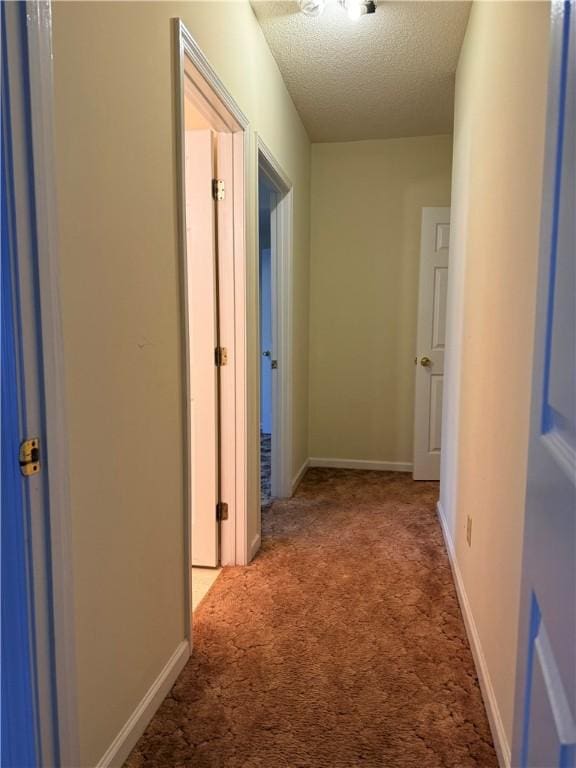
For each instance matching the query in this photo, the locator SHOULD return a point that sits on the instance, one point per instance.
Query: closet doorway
(211, 132)
(275, 280)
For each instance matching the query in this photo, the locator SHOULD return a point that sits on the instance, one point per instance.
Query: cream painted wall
(367, 198)
(496, 197)
(116, 185)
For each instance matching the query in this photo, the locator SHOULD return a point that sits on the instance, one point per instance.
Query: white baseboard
(494, 718)
(299, 475)
(255, 546)
(379, 466)
(124, 743)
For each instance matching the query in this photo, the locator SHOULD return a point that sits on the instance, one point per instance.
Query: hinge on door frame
(218, 190)
(29, 456)
(221, 356)
(221, 511)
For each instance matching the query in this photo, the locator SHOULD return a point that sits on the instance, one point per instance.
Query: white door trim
(37, 250)
(233, 534)
(282, 281)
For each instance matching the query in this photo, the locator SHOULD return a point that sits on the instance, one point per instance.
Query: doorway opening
(212, 148)
(275, 337)
(268, 364)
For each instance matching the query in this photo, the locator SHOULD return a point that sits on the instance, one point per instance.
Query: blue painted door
(545, 716)
(19, 733)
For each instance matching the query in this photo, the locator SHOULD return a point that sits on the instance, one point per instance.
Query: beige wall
(367, 198)
(121, 315)
(498, 153)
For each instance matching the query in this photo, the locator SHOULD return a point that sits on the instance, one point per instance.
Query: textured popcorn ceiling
(387, 74)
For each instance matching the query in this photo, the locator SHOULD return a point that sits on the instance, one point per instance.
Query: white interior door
(545, 713)
(202, 316)
(226, 338)
(431, 340)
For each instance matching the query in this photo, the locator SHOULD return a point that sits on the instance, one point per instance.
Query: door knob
(426, 362)
(267, 353)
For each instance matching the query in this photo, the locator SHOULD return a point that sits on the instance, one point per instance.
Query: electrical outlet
(469, 531)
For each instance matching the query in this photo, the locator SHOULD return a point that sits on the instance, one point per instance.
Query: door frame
(34, 241)
(233, 533)
(282, 281)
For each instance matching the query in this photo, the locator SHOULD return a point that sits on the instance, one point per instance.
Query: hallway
(341, 645)
(329, 239)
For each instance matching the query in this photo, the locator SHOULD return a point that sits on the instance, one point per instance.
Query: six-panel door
(431, 342)
(545, 712)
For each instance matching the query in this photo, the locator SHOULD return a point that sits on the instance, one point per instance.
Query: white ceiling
(385, 75)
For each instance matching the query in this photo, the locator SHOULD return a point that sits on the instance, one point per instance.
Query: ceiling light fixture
(312, 7)
(357, 8)
(354, 8)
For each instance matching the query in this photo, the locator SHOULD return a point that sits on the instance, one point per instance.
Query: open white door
(202, 310)
(226, 339)
(431, 339)
(545, 712)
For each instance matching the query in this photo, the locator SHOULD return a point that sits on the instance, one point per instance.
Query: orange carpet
(340, 646)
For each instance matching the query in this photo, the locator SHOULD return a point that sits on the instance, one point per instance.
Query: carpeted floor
(341, 646)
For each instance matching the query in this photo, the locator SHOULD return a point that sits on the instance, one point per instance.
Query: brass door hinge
(221, 356)
(221, 511)
(218, 190)
(29, 457)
